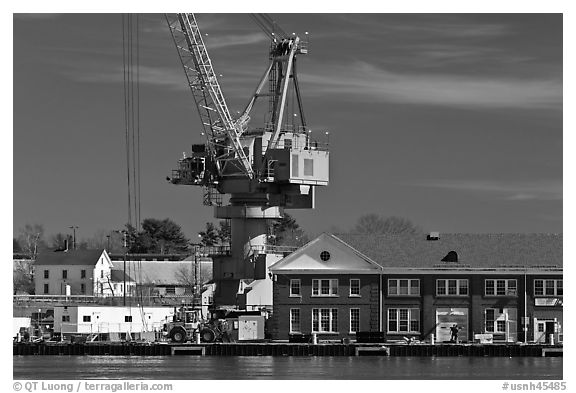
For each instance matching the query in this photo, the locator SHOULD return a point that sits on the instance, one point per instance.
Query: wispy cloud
(365, 81)
(233, 40)
(167, 77)
(509, 190)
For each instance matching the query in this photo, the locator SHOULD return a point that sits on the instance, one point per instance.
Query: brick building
(416, 286)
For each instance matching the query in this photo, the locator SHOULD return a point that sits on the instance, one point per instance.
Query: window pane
(539, 287)
(559, 288)
(440, 287)
(294, 320)
(452, 287)
(324, 319)
(295, 287)
(315, 320)
(414, 287)
(463, 287)
(403, 327)
(334, 327)
(392, 320)
(500, 287)
(511, 291)
(414, 326)
(501, 326)
(392, 287)
(325, 287)
(549, 287)
(354, 319)
(333, 287)
(403, 287)
(354, 286)
(315, 287)
(489, 287)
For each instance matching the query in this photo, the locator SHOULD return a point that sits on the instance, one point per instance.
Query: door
(549, 329)
(448, 317)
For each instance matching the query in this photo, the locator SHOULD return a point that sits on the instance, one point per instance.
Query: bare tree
(30, 239)
(185, 277)
(375, 224)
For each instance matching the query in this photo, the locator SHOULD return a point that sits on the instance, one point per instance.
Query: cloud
(363, 80)
(509, 190)
(168, 77)
(234, 40)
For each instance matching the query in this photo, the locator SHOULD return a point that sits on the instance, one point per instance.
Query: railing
(272, 249)
(108, 300)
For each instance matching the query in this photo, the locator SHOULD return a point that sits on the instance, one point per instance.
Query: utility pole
(74, 227)
(125, 233)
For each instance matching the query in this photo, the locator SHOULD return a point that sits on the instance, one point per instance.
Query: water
(268, 367)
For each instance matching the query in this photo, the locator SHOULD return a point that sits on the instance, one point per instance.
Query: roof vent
(433, 236)
(452, 256)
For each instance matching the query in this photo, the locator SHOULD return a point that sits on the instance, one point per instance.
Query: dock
(281, 349)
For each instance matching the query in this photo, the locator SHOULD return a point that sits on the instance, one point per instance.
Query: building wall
(109, 319)
(57, 284)
(435, 313)
(367, 302)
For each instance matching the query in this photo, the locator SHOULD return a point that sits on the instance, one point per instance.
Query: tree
(58, 241)
(16, 247)
(287, 232)
(209, 237)
(22, 277)
(31, 239)
(225, 232)
(157, 236)
(379, 225)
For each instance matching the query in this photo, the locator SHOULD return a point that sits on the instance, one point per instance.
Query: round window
(325, 255)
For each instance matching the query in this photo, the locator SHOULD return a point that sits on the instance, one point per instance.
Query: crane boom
(223, 133)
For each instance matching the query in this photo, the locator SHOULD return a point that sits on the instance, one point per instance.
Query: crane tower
(264, 168)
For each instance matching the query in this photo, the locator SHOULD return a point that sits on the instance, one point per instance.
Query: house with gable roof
(79, 272)
(508, 287)
(327, 288)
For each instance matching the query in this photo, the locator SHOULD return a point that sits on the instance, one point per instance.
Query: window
(495, 319)
(548, 288)
(82, 273)
(325, 287)
(45, 288)
(86, 318)
(308, 167)
(403, 287)
(354, 287)
(295, 320)
(354, 320)
(101, 273)
(83, 289)
(325, 256)
(170, 290)
(324, 320)
(65, 318)
(403, 320)
(127, 318)
(452, 287)
(295, 165)
(500, 287)
(46, 274)
(64, 274)
(295, 288)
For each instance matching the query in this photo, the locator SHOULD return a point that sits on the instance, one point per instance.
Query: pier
(282, 349)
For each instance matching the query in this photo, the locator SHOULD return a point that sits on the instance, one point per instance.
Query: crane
(264, 169)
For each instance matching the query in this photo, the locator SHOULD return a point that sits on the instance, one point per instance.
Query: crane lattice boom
(223, 133)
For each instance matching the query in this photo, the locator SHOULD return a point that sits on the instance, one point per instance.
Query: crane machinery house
(496, 287)
(263, 168)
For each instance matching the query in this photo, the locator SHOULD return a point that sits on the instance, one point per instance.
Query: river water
(268, 367)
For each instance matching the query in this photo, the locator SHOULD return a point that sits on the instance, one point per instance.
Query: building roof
(70, 257)
(164, 272)
(118, 275)
(339, 258)
(473, 250)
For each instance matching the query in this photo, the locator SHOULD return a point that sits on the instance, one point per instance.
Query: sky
(453, 121)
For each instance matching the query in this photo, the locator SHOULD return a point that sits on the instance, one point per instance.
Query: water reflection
(267, 367)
